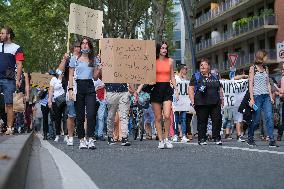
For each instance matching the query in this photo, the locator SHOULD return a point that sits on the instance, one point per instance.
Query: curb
(13, 169)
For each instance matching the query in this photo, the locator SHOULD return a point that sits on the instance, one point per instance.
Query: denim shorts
(7, 87)
(71, 109)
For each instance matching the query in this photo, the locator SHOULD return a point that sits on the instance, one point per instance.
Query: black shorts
(162, 92)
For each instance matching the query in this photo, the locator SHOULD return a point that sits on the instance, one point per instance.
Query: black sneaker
(125, 142)
(202, 142)
(251, 143)
(101, 138)
(273, 144)
(110, 141)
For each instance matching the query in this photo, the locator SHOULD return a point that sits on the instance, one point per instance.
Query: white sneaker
(70, 141)
(83, 144)
(168, 144)
(86, 142)
(65, 138)
(91, 144)
(184, 139)
(161, 145)
(56, 138)
(175, 138)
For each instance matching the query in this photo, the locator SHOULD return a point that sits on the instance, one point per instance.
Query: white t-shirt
(57, 87)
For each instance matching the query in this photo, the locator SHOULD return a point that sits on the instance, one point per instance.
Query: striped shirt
(260, 83)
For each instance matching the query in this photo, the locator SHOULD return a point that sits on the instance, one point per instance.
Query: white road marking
(238, 148)
(73, 177)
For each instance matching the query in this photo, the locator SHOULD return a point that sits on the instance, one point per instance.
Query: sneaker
(251, 143)
(184, 139)
(110, 141)
(9, 131)
(65, 138)
(175, 138)
(168, 144)
(91, 144)
(240, 139)
(125, 142)
(273, 144)
(161, 145)
(20, 130)
(56, 138)
(70, 141)
(202, 142)
(101, 138)
(83, 144)
(229, 137)
(218, 142)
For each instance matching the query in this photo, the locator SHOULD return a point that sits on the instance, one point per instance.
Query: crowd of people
(78, 103)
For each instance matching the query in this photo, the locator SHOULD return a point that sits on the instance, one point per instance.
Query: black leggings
(58, 111)
(203, 112)
(45, 111)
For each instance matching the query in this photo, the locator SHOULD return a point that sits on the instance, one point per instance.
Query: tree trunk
(159, 11)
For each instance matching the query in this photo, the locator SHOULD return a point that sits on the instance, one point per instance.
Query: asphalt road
(142, 165)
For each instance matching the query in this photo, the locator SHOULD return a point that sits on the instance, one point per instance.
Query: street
(143, 165)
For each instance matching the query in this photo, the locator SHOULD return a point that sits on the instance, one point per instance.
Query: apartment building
(238, 26)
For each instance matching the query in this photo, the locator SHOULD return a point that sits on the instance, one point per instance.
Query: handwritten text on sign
(128, 61)
(85, 21)
(234, 91)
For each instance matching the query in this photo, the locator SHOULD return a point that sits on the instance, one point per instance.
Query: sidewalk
(15, 151)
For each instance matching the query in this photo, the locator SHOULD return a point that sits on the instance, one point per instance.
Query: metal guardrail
(235, 32)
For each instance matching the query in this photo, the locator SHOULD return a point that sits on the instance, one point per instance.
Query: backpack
(197, 76)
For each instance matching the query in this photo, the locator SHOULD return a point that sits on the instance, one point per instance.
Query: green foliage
(41, 26)
(267, 12)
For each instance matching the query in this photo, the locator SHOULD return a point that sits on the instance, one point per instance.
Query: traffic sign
(233, 57)
(280, 52)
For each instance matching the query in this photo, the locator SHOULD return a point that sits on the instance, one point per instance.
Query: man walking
(11, 57)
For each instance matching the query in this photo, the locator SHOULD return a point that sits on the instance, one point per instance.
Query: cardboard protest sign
(234, 92)
(128, 61)
(85, 21)
(40, 80)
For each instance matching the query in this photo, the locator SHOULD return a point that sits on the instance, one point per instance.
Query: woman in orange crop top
(162, 93)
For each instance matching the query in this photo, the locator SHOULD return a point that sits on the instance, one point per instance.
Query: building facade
(222, 27)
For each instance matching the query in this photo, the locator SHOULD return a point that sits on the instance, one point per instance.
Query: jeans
(180, 118)
(86, 98)
(101, 118)
(202, 113)
(263, 102)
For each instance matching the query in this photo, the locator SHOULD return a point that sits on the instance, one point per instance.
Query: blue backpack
(197, 76)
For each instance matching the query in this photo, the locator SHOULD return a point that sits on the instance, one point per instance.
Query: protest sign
(40, 80)
(128, 61)
(183, 103)
(85, 21)
(234, 92)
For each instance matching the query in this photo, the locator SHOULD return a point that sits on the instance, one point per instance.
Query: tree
(188, 10)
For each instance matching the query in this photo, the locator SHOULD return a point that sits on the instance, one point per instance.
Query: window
(177, 45)
(261, 44)
(250, 14)
(271, 41)
(225, 28)
(251, 48)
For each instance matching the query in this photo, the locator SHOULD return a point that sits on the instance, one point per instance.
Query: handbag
(18, 102)
(60, 100)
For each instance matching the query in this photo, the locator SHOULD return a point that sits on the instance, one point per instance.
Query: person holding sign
(181, 105)
(85, 69)
(260, 97)
(162, 93)
(206, 96)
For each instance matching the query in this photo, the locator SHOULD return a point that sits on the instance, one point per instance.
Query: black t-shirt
(211, 91)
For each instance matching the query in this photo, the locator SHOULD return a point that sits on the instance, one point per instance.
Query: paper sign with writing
(128, 61)
(85, 21)
(42, 80)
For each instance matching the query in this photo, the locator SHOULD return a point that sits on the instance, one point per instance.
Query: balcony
(244, 61)
(255, 27)
(225, 10)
